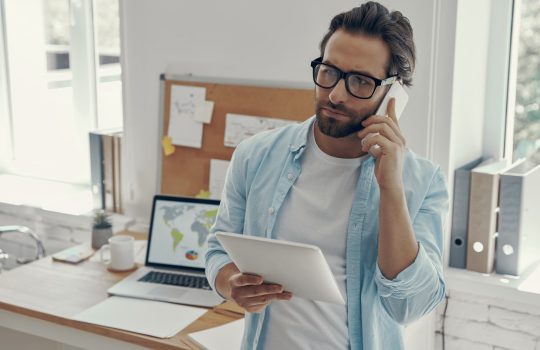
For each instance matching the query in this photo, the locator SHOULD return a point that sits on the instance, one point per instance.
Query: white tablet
(300, 268)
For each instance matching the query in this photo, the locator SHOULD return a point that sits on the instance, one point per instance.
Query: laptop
(174, 266)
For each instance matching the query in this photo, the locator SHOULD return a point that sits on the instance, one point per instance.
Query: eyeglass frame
(345, 75)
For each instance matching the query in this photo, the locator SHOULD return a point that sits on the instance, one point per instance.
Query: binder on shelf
(96, 170)
(117, 186)
(108, 171)
(460, 214)
(482, 223)
(518, 242)
(102, 165)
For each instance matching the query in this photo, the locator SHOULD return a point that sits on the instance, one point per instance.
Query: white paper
(240, 127)
(203, 112)
(226, 337)
(218, 171)
(154, 318)
(184, 130)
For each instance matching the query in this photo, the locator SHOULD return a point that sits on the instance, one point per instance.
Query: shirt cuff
(417, 276)
(215, 262)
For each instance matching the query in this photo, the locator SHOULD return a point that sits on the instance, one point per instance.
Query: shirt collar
(301, 138)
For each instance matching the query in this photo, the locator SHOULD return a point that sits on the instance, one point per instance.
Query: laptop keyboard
(174, 279)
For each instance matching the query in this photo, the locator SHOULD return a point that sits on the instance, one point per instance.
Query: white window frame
(83, 65)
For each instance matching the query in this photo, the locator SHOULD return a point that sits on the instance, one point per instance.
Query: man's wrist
(222, 279)
(396, 191)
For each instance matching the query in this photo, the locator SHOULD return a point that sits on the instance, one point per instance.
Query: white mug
(121, 252)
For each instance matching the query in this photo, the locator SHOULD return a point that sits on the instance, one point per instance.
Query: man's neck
(343, 147)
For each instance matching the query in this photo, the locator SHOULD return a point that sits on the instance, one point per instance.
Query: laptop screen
(179, 227)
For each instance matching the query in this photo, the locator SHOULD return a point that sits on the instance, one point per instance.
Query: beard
(336, 128)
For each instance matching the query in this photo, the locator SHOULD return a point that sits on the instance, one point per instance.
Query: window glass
(109, 89)
(49, 137)
(527, 107)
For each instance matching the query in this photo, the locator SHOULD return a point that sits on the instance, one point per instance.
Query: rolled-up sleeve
(420, 287)
(230, 216)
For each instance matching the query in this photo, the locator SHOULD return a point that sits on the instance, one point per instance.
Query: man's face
(340, 114)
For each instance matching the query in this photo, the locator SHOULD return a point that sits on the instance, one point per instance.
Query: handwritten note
(184, 130)
(240, 127)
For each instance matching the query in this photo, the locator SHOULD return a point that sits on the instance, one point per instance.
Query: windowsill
(525, 288)
(47, 195)
(52, 202)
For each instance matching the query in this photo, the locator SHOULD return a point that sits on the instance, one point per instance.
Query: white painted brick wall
(455, 343)
(476, 322)
(518, 321)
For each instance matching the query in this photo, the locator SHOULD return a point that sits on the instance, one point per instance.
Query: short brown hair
(393, 28)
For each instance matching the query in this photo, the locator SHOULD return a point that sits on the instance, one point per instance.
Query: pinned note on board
(168, 148)
(218, 172)
(203, 112)
(184, 130)
(203, 194)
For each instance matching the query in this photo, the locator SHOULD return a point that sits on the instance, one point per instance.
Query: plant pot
(100, 236)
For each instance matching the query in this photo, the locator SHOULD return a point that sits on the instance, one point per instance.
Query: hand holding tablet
(300, 268)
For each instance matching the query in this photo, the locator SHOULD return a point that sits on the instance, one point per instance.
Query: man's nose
(339, 93)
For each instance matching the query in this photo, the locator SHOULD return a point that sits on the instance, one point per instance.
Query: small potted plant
(101, 229)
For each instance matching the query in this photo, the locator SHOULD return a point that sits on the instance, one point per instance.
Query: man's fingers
(383, 129)
(240, 280)
(391, 110)
(258, 303)
(253, 291)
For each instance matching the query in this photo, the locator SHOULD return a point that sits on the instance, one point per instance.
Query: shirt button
(271, 210)
(290, 176)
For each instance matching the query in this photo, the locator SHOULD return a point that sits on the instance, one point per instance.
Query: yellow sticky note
(168, 148)
(203, 194)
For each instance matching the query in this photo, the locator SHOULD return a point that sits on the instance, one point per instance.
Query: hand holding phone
(398, 92)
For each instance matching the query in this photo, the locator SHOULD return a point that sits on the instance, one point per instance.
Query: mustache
(337, 107)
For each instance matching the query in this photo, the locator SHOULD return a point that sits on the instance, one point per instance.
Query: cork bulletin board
(186, 171)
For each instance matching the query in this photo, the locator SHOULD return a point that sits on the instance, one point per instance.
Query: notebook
(174, 266)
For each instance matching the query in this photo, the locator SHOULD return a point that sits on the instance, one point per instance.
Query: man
(377, 218)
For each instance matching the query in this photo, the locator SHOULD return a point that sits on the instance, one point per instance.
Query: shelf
(525, 288)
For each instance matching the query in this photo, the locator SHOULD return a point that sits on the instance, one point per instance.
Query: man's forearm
(222, 279)
(397, 243)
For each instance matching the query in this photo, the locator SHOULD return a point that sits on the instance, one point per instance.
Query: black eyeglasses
(359, 85)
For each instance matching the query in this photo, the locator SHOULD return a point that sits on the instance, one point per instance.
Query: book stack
(493, 225)
(105, 165)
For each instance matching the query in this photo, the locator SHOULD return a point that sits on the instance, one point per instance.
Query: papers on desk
(226, 337)
(154, 318)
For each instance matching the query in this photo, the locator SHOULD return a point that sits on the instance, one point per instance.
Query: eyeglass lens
(358, 85)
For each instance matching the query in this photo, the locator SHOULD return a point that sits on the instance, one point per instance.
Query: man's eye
(328, 71)
(359, 80)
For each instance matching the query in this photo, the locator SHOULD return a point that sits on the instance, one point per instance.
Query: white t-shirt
(316, 211)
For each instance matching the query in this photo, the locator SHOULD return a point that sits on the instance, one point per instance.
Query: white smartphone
(398, 92)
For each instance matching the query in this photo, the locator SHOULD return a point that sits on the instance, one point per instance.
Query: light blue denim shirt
(263, 169)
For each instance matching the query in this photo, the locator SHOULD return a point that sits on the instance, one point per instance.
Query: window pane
(50, 134)
(109, 89)
(527, 113)
(44, 130)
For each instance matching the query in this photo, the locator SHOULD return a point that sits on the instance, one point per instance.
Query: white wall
(260, 40)
(483, 323)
